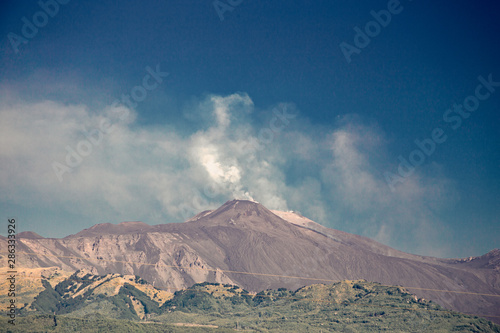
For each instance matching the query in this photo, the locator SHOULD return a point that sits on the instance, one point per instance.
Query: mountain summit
(243, 243)
(243, 214)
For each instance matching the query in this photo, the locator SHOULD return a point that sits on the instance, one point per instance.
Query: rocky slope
(245, 244)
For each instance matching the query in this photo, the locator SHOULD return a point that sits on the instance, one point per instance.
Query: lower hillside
(89, 303)
(112, 295)
(94, 324)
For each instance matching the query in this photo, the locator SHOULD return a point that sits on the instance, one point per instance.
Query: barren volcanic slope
(245, 244)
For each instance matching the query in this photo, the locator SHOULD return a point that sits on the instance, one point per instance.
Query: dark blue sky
(393, 92)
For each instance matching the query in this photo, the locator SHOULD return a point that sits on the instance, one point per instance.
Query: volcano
(243, 243)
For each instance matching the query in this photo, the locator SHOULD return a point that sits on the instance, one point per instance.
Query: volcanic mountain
(245, 244)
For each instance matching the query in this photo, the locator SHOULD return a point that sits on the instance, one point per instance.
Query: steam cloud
(159, 175)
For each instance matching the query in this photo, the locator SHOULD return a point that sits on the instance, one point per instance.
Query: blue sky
(260, 104)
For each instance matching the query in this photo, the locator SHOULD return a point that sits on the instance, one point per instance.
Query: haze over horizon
(156, 111)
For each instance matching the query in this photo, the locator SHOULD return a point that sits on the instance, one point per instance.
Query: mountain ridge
(246, 244)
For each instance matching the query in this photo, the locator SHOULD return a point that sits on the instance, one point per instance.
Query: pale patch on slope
(29, 283)
(295, 218)
(110, 285)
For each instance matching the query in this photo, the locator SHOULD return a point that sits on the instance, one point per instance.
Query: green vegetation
(63, 300)
(128, 292)
(93, 324)
(348, 306)
(345, 306)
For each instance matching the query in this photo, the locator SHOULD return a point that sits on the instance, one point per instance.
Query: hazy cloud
(159, 175)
